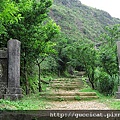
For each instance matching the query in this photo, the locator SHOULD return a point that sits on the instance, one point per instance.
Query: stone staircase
(66, 84)
(67, 89)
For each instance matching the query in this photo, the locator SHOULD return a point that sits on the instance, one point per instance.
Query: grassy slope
(78, 21)
(110, 101)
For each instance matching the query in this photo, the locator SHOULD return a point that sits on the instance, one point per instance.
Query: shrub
(105, 83)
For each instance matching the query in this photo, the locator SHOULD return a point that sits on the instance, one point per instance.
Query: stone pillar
(13, 91)
(118, 53)
(3, 72)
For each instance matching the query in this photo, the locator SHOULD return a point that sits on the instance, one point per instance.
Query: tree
(62, 56)
(44, 47)
(85, 56)
(9, 13)
(108, 51)
(34, 31)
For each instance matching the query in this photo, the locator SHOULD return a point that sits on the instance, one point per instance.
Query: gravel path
(77, 105)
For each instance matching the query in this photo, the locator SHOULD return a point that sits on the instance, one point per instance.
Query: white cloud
(110, 6)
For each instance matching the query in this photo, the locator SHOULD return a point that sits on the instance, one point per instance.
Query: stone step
(66, 82)
(68, 94)
(69, 98)
(65, 87)
(58, 82)
(67, 79)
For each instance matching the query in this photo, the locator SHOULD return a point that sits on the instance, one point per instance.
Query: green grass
(114, 104)
(30, 102)
(77, 98)
(110, 101)
(88, 89)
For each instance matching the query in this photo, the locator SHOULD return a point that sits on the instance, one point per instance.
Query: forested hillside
(79, 24)
(58, 39)
(83, 27)
(79, 21)
(68, 52)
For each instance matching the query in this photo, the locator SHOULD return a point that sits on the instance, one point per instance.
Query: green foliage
(77, 98)
(78, 28)
(106, 74)
(36, 32)
(114, 104)
(9, 13)
(79, 25)
(25, 104)
(101, 96)
(61, 99)
(48, 66)
(108, 60)
(100, 65)
(88, 57)
(85, 55)
(78, 21)
(75, 47)
(105, 84)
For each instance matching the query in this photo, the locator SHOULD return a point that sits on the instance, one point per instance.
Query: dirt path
(77, 105)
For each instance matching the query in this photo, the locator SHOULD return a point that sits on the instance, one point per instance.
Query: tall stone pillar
(118, 53)
(13, 91)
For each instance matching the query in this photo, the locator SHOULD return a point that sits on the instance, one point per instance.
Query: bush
(105, 83)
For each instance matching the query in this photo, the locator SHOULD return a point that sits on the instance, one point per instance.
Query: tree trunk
(92, 84)
(27, 83)
(91, 80)
(39, 84)
(26, 79)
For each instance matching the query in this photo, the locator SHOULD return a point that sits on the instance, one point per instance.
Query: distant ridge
(78, 21)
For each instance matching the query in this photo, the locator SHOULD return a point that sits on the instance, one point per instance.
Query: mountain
(78, 21)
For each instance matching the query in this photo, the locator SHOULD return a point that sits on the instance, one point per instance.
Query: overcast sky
(110, 6)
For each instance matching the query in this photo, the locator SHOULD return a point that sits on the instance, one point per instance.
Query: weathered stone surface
(118, 53)
(14, 63)
(13, 90)
(3, 71)
(13, 96)
(10, 71)
(3, 53)
(118, 93)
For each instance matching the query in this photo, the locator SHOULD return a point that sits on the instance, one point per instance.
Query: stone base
(2, 92)
(13, 96)
(13, 93)
(3, 87)
(117, 95)
(13, 90)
